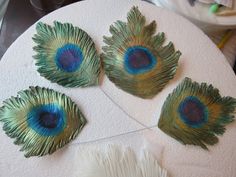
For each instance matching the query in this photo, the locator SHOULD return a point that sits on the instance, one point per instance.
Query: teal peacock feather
(41, 120)
(135, 59)
(66, 55)
(196, 113)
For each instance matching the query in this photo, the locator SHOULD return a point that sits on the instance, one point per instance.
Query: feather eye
(135, 59)
(116, 162)
(66, 55)
(196, 113)
(41, 120)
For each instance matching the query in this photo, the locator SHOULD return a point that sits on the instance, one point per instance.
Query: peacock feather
(41, 120)
(135, 59)
(196, 113)
(66, 55)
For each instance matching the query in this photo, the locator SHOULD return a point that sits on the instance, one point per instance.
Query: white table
(200, 60)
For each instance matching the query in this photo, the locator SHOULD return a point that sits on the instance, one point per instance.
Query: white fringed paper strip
(116, 162)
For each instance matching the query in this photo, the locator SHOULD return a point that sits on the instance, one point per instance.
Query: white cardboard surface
(200, 60)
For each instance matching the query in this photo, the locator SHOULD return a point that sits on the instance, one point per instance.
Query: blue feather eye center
(69, 57)
(47, 120)
(139, 60)
(193, 112)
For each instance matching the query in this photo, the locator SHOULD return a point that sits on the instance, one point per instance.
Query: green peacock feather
(66, 55)
(196, 113)
(41, 120)
(135, 59)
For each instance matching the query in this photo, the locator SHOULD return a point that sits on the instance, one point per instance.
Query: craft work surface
(199, 14)
(200, 60)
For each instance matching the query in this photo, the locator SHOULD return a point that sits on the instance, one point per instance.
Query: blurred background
(17, 15)
(216, 18)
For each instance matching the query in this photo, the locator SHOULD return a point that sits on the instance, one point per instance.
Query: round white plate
(200, 60)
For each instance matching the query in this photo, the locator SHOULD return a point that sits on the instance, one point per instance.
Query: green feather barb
(41, 120)
(66, 55)
(196, 113)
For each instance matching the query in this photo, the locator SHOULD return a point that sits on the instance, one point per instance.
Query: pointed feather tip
(134, 10)
(134, 15)
(39, 24)
(178, 54)
(57, 23)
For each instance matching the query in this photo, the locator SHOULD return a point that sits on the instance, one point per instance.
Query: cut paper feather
(196, 113)
(41, 120)
(134, 58)
(116, 162)
(66, 55)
